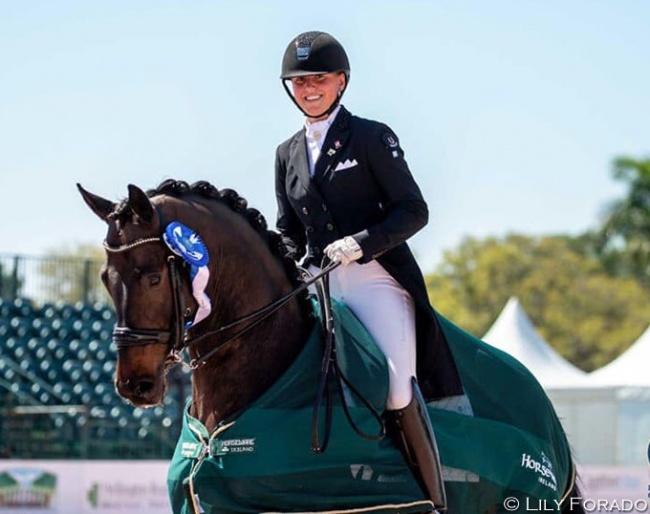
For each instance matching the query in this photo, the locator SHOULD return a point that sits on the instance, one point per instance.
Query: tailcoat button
(305, 210)
(329, 227)
(310, 229)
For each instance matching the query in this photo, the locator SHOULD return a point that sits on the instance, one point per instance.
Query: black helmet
(313, 53)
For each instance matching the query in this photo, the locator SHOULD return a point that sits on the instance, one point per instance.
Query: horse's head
(142, 279)
(236, 350)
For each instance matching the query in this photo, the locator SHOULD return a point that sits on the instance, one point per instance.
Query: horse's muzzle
(144, 391)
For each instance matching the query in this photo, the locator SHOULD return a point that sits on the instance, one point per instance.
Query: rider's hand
(344, 250)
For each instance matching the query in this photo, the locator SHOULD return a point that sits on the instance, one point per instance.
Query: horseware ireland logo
(543, 469)
(228, 446)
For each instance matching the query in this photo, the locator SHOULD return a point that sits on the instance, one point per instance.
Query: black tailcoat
(362, 187)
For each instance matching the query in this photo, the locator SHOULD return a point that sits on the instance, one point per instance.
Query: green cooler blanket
(261, 461)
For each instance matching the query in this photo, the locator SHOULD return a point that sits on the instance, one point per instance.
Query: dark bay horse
(234, 365)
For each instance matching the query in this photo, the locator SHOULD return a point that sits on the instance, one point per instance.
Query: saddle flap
(359, 358)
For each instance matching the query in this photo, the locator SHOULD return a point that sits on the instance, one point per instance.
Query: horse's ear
(100, 206)
(140, 204)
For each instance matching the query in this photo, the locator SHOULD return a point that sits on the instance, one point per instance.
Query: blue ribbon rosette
(187, 244)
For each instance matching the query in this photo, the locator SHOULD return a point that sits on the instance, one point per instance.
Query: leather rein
(176, 338)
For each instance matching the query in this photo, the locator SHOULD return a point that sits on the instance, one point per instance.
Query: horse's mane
(231, 199)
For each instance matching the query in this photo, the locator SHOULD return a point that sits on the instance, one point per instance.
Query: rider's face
(316, 93)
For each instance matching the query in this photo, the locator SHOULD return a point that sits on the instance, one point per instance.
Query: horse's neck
(247, 276)
(248, 366)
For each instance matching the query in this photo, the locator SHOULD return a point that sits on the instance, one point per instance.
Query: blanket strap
(570, 485)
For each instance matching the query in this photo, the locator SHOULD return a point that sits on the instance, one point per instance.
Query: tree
(11, 283)
(626, 229)
(72, 274)
(587, 315)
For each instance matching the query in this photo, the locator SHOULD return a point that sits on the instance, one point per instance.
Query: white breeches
(388, 312)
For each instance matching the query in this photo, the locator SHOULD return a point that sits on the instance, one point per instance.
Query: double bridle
(177, 339)
(174, 338)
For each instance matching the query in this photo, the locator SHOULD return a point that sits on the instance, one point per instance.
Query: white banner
(127, 487)
(615, 489)
(83, 487)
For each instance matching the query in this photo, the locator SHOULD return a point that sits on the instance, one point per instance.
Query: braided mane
(231, 199)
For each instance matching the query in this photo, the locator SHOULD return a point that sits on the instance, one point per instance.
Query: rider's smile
(316, 93)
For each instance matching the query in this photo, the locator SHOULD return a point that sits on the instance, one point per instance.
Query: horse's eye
(154, 279)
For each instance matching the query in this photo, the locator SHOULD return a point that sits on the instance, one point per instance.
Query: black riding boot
(416, 440)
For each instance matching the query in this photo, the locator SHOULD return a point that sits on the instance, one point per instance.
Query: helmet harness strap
(328, 111)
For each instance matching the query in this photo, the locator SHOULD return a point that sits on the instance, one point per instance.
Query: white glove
(344, 250)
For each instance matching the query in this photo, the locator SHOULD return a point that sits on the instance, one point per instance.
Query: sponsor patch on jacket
(390, 140)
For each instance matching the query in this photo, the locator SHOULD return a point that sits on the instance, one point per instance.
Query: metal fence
(32, 430)
(34, 427)
(51, 279)
(75, 432)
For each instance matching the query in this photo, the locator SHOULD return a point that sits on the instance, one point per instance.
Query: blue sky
(510, 112)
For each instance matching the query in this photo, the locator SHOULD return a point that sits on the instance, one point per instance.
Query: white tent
(606, 414)
(514, 333)
(610, 422)
(629, 369)
(606, 425)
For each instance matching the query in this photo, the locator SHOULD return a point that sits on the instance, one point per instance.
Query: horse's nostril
(144, 386)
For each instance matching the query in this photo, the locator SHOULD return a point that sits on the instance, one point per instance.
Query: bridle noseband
(125, 337)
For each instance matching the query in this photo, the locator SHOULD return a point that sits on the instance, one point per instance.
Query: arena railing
(51, 279)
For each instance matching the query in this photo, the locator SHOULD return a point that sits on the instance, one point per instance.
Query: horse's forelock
(122, 212)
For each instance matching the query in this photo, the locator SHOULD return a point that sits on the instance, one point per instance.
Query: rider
(345, 191)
